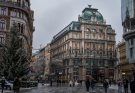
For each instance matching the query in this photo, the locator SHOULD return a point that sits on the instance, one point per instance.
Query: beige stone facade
(84, 47)
(47, 62)
(20, 13)
(125, 70)
(38, 64)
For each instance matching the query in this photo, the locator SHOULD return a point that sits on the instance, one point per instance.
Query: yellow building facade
(125, 70)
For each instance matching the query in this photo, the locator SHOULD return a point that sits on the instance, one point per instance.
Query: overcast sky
(51, 16)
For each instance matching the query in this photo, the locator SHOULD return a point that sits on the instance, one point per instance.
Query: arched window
(19, 26)
(22, 28)
(2, 24)
(87, 29)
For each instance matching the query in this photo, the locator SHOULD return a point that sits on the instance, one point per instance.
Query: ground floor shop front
(79, 68)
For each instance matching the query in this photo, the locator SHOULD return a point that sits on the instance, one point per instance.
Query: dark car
(8, 85)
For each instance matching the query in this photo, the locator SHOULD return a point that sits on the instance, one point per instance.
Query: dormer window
(87, 29)
(93, 30)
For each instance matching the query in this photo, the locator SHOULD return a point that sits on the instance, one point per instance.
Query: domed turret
(92, 14)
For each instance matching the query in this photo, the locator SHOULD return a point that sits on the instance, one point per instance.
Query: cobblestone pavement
(48, 89)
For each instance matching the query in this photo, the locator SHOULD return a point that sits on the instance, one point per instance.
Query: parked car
(8, 85)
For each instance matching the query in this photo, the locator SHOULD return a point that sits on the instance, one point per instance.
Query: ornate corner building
(128, 22)
(19, 12)
(84, 47)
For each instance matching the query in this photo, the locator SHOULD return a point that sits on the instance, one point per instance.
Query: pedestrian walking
(110, 82)
(125, 84)
(51, 82)
(87, 83)
(80, 82)
(16, 85)
(92, 83)
(2, 84)
(76, 83)
(105, 85)
(70, 83)
(132, 84)
(119, 86)
(73, 83)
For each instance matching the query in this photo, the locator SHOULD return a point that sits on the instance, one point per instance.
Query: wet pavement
(63, 89)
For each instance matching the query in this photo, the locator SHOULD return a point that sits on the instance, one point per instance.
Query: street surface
(64, 89)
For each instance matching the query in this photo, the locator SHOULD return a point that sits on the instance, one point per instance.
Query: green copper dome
(92, 14)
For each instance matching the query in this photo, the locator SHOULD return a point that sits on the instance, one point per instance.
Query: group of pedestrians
(132, 84)
(122, 84)
(73, 83)
(125, 84)
(16, 84)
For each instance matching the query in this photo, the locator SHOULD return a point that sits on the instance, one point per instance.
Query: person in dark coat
(2, 84)
(80, 82)
(16, 85)
(110, 82)
(105, 85)
(125, 84)
(51, 82)
(87, 83)
(132, 85)
(119, 86)
(73, 83)
(92, 84)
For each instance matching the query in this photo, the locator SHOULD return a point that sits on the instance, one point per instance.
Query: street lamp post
(91, 63)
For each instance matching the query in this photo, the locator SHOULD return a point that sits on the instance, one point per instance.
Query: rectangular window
(3, 11)
(100, 30)
(132, 41)
(2, 40)
(131, 52)
(67, 70)
(111, 63)
(2, 24)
